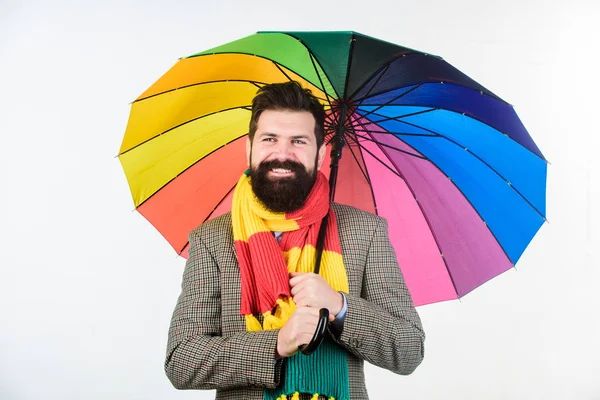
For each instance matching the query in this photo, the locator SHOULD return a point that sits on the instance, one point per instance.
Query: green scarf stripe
(324, 372)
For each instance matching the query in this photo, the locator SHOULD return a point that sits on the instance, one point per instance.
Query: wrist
(279, 350)
(339, 304)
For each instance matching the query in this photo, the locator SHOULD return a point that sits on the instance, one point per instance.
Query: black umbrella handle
(319, 335)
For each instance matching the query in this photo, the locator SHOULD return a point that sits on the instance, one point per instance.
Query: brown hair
(288, 96)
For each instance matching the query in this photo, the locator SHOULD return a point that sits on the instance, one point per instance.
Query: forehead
(286, 123)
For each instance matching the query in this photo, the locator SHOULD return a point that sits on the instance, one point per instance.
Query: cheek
(256, 156)
(311, 158)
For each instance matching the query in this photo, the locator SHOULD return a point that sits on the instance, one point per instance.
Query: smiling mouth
(281, 172)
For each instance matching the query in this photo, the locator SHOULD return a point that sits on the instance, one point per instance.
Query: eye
(298, 141)
(268, 139)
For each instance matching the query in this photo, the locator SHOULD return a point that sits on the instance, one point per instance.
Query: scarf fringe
(283, 311)
(296, 396)
(252, 324)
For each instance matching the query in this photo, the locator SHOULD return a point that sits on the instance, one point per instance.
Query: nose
(284, 150)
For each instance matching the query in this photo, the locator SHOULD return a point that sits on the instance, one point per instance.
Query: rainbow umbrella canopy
(445, 161)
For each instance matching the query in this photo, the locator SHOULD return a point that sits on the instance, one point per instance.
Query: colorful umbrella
(445, 161)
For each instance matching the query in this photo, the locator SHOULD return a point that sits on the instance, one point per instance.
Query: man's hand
(298, 330)
(311, 290)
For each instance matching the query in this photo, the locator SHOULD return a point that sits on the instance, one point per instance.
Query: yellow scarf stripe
(248, 225)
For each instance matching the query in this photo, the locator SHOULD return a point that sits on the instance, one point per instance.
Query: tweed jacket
(209, 347)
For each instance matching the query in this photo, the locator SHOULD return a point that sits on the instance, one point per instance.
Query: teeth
(281, 170)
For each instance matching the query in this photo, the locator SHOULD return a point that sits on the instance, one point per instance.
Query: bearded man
(250, 299)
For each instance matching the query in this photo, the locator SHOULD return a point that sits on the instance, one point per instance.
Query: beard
(285, 194)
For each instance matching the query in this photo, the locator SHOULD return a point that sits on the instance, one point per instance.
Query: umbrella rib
(480, 159)
(199, 84)
(356, 159)
(312, 59)
(368, 176)
(393, 148)
(177, 126)
(382, 163)
(211, 213)
(387, 65)
(362, 99)
(369, 132)
(398, 133)
(397, 118)
(404, 122)
(190, 166)
(375, 157)
(281, 70)
(291, 80)
(360, 102)
(391, 100)
(329, 141)
(482, 92)
(329, 129)
(330, 118)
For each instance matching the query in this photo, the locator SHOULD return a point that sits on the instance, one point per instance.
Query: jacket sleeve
(198, 356)
(382, 325)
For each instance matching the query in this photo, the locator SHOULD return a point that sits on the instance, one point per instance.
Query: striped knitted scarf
(265, 265)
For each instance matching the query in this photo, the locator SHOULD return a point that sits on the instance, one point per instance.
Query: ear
(321, 156)
(248, 149)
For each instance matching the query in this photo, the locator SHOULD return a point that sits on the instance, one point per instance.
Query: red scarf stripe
(332, 242)
(269, 267)
(297, 239)
(247, 278)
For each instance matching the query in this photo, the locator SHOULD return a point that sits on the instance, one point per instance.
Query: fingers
(305, 321)
(307, 313)
(299, 281)
(305, 287)
(297, 331)
(298, 277)
(307, 294)
(301, 299)
(331, 317)
(310, 290)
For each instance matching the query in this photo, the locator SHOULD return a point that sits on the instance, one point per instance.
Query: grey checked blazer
(209, 347)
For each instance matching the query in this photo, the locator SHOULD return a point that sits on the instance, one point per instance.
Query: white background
(87, 287)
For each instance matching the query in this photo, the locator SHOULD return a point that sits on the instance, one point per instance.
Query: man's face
(284, 159)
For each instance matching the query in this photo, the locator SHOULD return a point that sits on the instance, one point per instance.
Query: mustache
(285, 164)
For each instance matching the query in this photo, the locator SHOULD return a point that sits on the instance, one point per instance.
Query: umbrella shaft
(336, 149)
